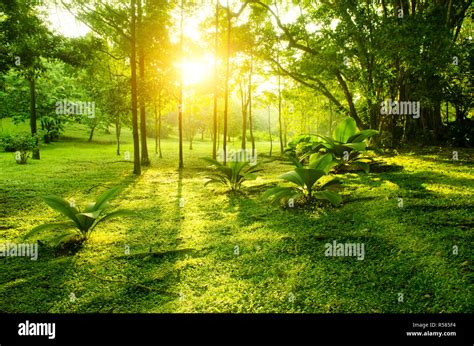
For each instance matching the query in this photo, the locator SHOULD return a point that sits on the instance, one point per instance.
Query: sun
(197, 70)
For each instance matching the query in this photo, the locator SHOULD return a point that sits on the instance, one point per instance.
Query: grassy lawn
(183, 258)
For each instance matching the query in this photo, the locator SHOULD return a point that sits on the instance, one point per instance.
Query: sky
(63, 22)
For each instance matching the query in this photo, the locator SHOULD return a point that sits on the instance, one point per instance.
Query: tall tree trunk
(330, 118)
(180, 113)
(156, 128)
(133, 66)
(145, 160)
(285, 126)
(250, 105)
(437, 122)
(117, 132)
(34, 131)
(280, 127)
(226, 91)
(350, 101)
(91, 133)
(244, 105)
(270, 131)
(214, 130)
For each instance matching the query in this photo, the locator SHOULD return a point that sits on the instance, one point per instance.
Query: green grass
(192, 266)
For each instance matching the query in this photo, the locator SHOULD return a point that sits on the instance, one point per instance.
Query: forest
(242, 156)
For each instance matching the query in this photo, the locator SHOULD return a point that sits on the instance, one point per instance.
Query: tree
(133, 69)
(181, 98)
(145, 161)
(216, 47)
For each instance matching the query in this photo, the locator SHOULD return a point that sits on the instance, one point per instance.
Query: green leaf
(118, 213)
(332, 197)
(360, 146)
(323, 163)
(92, 215)
(293, 177)
(89, 208)
(309, 176)
(105, 197)
(278, 193)
(212, 161)
(51, 226)
(250, 176)
(330, 183)
(362, 135)
(62, 206)
(345, 130)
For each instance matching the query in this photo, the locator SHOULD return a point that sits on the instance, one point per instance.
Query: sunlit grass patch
(183, 258)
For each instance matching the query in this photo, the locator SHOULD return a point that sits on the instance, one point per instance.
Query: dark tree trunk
(91, 134)
(34, 131)
(280, 127)
(270, 132)
(243, 102)
(180, 113)
(145, 161)
(133, 66)
(214, 130)
(117, 132)
(250, 106)
(226, 91)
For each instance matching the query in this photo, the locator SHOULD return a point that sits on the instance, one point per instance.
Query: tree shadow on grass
(369, 285)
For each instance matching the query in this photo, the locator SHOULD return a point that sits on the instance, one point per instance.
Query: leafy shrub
(22, 144)
(231, 175)
(309, 183)
(346, 146)
(80, 223)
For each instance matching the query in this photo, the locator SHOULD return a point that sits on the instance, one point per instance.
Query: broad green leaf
(345, 130)
(92, 215)
(63, 207)
(309, 176)
(331, 182)
(362, 135)
(323, 163)
(51, 226)
(105, 197)
(117, 213)
(212, 161)
(293, 177)
(332, 197)
(359, 146)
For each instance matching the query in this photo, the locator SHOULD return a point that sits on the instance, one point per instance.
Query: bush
(7, 143)
(346, 146)
(22, 144)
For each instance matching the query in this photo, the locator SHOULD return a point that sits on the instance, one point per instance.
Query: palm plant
(80, 224)
(309, 182)
(346, 145)
(231, 175)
